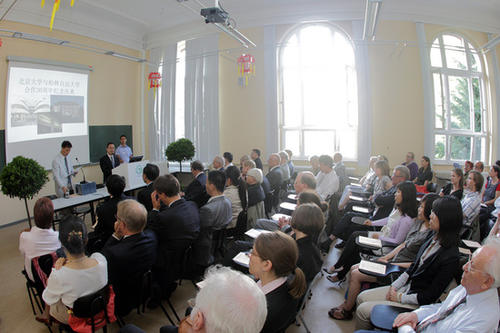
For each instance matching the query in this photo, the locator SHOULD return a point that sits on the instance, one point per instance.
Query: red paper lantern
(246, 67)
(154, 80)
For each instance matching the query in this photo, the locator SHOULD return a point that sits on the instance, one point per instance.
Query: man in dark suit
(176, 227)
(106, 211)
(215, 215)
(196, 190)
(255, 156)
(275, 177)
(109, 161)
(130, 253)
(149, 175)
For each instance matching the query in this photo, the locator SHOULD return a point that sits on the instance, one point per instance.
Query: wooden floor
(16, 315)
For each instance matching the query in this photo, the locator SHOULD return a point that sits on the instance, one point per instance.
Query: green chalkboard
(2, 149)
(99, 136)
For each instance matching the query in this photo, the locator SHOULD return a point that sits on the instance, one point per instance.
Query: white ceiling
(142, 24)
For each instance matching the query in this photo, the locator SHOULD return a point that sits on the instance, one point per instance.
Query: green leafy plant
(180, 150)
(23, 178)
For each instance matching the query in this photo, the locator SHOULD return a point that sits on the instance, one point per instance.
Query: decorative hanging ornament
(246, 67)
(55, 8)
(0, 42)
(154, 81)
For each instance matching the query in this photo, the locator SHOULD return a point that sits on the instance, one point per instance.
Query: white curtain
(202, 96)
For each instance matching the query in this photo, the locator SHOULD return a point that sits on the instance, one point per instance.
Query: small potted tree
(23, 178)
(180, 150)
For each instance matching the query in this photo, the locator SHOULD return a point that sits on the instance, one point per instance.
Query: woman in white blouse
(74, 276)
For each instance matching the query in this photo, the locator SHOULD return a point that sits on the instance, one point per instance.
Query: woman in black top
(456, 185)
(424, 175)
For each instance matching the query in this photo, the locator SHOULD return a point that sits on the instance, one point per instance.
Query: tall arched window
(318, 95)
(460, 129)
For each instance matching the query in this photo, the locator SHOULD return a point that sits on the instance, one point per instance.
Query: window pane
(321, 99)
(292, 103)
(438, 101)
(292, 141)
(455, 52)
(459, 102)
(319, 142)
(180, 75)
(476, 92)
(439, 147)
(436, 54)
(348, 140)
(479, 149)
(461, 147)
(475, 63)
(291, 53)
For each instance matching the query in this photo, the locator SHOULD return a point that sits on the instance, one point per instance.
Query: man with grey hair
(275, 177)
(471, 307)
(227, 302)
(218, 163)
(285, 169)
(130, 252)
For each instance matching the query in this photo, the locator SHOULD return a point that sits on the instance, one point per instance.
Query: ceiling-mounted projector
(214, 15)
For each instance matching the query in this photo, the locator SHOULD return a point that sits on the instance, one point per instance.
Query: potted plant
(23, 178)
(180, 150)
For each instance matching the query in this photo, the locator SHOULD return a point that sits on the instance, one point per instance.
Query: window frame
(444, 73)
(302, 127)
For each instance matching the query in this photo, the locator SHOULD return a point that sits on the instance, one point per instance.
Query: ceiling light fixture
(38, 38)
(372, 12)
(124, 56)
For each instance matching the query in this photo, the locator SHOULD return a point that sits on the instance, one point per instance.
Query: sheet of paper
(288, 205)
(370, 241)
(464, 251)
(372, 267)
(277, 216)
(356, 198)
(254, 233)
(292, 196)
(360, 209)
(242, 258)
(471, 244)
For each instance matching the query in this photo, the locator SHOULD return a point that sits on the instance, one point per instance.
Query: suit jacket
(275, 178)
(215, 215)
(385, 203)
(107, 166)
(106, 219)
(128, 259)
(196, 190)
(430, 279)
(144, 197)
(281, 310)
(258, 163)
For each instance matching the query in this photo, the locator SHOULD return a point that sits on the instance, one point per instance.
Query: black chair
(218, 244)
(382, 316)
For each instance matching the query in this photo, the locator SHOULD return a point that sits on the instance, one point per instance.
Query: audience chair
(307, 296)
(471, 232)
(382, 316)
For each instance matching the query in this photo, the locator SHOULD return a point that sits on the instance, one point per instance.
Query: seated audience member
(247, 165)
(428, 276)
(490, 195)
(468, 166)
(196, 190)
(411, 165)
(41, 239)
(471, 307)
(106, 211)
(130, 253)
(285, 170)
(215, 215)
(218, 163)
(275, 177)
(314, 161)
(272, 260)
(240, 306)
(149, 175)
(74, 276)
(395, 227)
(425, 174)
(228, 159)
(109, 161)
(403, 256)
(471, 202)
(327, 180)
(243, 159)
(340, 170)
(365, 184)
(479, 166)
(236, 192)
(384, 203)
(176, 227)
(456, 185)
(290, 163)
(256, 197)
(255, 156)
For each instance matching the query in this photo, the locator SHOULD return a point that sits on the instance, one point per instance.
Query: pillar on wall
(496, 79)
(270, 69)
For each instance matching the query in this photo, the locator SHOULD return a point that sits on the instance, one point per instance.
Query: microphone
(83, 173)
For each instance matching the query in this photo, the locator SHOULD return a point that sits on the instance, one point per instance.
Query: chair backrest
(41, 267)
(90, 305)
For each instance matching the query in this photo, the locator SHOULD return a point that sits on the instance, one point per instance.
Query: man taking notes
(123, 151)
(62, 169)
(109, 161)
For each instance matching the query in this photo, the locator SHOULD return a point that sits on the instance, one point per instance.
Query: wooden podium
(132, 173)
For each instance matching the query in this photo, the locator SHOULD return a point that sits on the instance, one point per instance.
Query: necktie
(67, 170)
(112, 161)
(438, 316)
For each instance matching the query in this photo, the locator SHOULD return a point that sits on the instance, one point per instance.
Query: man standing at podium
(109, 161)
(123, 151)
(62, 170)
